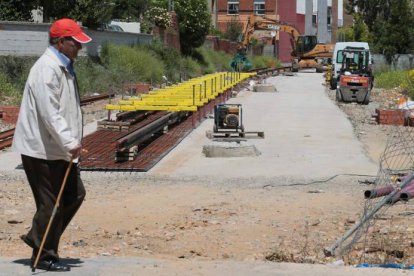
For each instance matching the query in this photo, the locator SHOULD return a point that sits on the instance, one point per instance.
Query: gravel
(362, 116)
(4, 126)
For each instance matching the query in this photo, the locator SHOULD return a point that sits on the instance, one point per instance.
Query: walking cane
(53, 215)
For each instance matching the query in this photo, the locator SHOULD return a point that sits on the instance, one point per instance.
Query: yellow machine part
(320, 50)
(233, 110)
(308, 63)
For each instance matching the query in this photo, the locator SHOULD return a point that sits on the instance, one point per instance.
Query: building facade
(224, 12)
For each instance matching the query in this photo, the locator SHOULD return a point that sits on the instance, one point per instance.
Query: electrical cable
(319, 181)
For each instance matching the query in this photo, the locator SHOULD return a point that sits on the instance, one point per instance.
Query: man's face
(69, 47)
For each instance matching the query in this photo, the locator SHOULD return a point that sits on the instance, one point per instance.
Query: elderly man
(48, 136)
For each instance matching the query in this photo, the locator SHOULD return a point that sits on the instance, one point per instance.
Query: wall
(169, 36)
(347, 18)
(322, 26)
(223, 45)
(334, 23)
(245, 10)
(404, 62)
(15, 37)
(287, 13)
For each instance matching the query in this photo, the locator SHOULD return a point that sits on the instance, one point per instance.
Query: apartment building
(293, 12)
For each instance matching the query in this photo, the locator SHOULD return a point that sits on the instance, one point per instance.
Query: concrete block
(264, 87)
(230, 149)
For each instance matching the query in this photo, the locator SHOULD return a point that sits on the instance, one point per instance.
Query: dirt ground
(161, 217)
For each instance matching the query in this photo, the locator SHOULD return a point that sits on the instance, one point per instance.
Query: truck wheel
(366, 99)
(333, 83)
(338, 96)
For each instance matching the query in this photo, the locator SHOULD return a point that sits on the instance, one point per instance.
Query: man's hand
(76, 151)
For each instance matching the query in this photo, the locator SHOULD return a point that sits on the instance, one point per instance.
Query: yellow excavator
(306, 51)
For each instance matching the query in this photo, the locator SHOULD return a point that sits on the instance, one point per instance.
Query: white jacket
(50, 118)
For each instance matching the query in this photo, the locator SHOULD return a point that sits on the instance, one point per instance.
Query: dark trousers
(45, 178)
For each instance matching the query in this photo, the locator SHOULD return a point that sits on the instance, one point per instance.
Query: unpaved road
(194, 215)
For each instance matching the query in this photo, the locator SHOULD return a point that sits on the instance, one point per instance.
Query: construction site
(282, 195)
(299, 168)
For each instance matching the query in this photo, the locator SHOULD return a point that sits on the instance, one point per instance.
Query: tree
(345, 34)
(234, 30)
(130, 10)
(194, 22)
(394, 33)
(92, 13)
(16, 10)
(391, 23)
(369, 9)
(360, 29)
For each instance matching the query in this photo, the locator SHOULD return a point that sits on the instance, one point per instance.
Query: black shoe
(52, 266)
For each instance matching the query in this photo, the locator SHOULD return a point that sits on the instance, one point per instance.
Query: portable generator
(228, 117)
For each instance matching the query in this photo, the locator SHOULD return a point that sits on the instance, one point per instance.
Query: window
(259, 7)
(233, 7)
(329, 15)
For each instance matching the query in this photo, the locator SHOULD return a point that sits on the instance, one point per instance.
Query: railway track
(271, 71)
(105, 146)
(6, 138)
(90, 99)
(157, 134)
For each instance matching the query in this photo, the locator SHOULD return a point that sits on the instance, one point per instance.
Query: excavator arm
(305, 49)
(254, 23)
(267, 24)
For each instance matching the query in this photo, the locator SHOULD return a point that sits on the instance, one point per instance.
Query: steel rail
(7, 134)
(144, 133)
(6, 138)
(90, 99)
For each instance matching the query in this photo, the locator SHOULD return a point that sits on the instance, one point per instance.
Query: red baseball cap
(67, 27)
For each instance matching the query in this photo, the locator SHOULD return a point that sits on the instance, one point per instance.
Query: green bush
(264, 61)
(390, 79)
(190, 68)
(133, 63)
(93, 77)
(16, 69)
(214, 61)
(408, 83)
(9, 95)
(171, 59)
(124, 64)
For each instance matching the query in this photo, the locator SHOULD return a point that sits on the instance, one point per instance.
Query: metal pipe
(407, 195)
(331, 250)
(193, 94)
(397, 196)
(378, 192)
